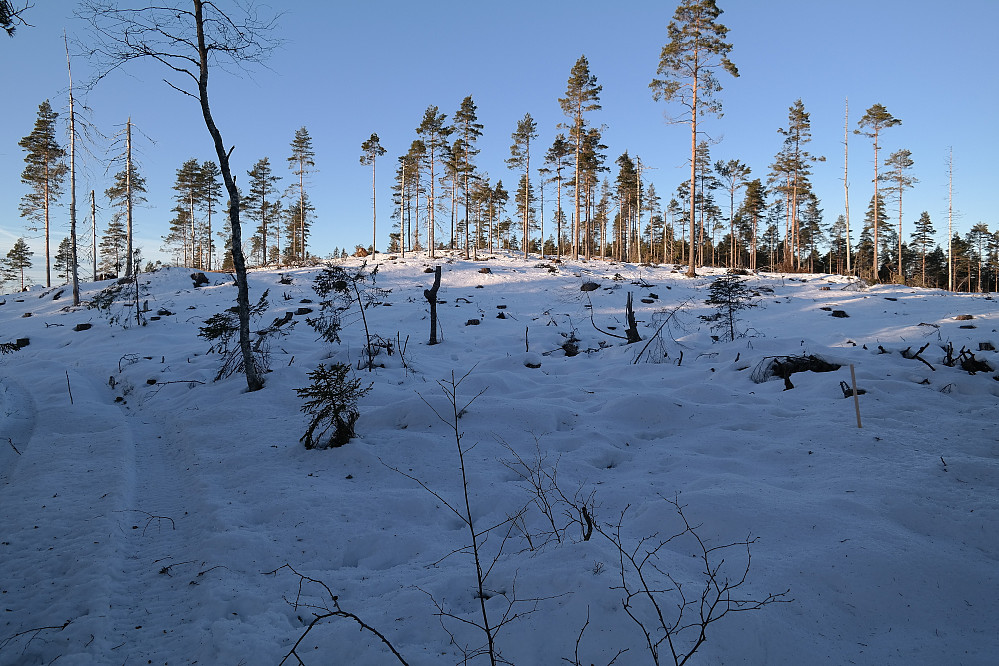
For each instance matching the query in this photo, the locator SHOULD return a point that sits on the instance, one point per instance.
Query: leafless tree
(189, 39)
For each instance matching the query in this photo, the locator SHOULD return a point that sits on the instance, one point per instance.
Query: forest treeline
(570, 198)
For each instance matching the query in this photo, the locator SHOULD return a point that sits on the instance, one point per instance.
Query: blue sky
(347, 69)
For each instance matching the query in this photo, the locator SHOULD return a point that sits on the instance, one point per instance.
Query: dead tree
(187, 39)
(431, 296)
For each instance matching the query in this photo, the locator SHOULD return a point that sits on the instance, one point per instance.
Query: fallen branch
(907, 353)
(11, 442)
(326, 611)
(34, 631)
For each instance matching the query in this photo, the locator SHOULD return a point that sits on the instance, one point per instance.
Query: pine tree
(627, 196)
(295, 226)
(44, 173)
(371, 150)
(791, 168)
(733, 175)
(301, 162)
(898, 164)
(922, 237)
(556, 159)
(19, 258)
(469, 129)
(260, 203)
(211, 189)
(182, 237)
(582, 95)
(434, 131)
(592, 158)
(687, 65)
(874, 121)
(520, 158)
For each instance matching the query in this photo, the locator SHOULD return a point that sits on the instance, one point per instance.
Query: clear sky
(347, 69)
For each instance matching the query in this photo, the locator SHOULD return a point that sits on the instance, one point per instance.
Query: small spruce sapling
(331, 400)
(730, 295)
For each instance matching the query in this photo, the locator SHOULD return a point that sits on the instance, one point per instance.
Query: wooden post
(856, 398)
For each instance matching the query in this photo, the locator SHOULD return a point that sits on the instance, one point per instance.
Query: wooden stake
(69, 389)
(856, 398)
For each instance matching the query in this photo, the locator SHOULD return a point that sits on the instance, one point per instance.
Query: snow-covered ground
(146, 505)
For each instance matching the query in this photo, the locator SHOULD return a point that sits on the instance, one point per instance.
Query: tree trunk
(72, 185)
(431, 296)
(128, 198)
(254, 381)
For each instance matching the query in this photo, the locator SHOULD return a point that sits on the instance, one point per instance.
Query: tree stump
(431, 296)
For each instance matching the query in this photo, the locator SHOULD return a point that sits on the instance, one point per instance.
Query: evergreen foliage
(582, 95)
(730, 295)
(302, 161)
(222, 331)
(262, 205)
(687, 64)
(18, 259)
(331, 401)
(44, 173)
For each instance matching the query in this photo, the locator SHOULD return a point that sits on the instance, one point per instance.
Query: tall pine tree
(260, 206)
(899, 180)
(301, 162)
(371, 150)
(44, 172)
(520, 158)
(468, 129)
(434, 132)
(582, 95)
(687, 65)
(872, 123)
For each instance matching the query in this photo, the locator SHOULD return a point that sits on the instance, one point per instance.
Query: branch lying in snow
(151, 517)
(326, 610)
(11, 442)
(34, 634)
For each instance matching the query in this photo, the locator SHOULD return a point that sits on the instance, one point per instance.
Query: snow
(149, 516)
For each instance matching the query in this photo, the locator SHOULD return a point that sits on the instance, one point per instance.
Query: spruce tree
(687, 65)
(582, 95)
(874, 121)
(63, 259)
(113, 246)
(44, 173)
(520, 158)
(19, 258)
(11, 16)
(922, 237)
(124, 194)
(371, 150)
(301, 162)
